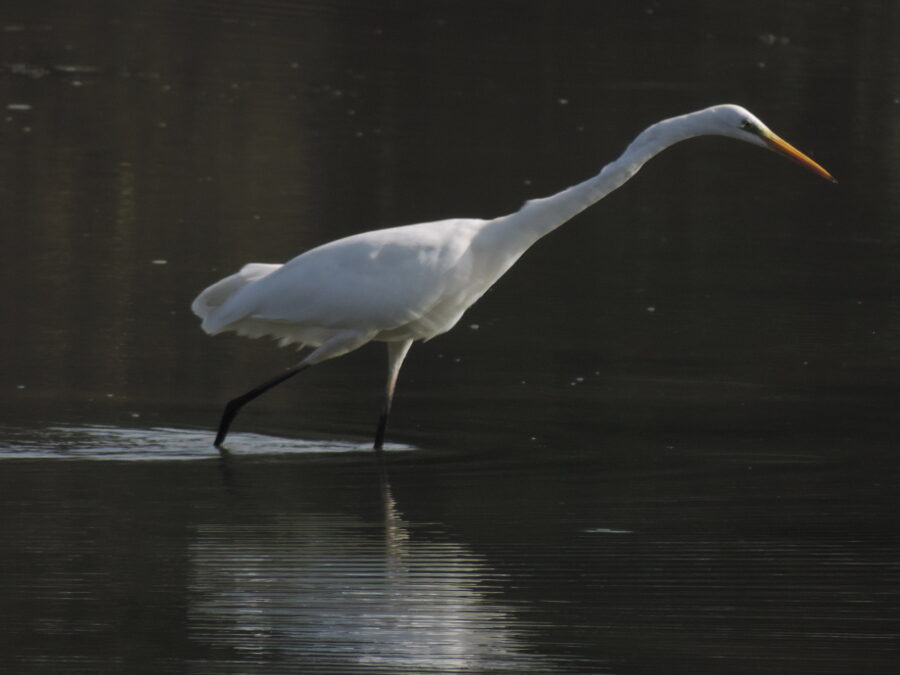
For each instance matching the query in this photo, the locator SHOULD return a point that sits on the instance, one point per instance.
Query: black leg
(396, 353)
(379, 432)
(234, 406)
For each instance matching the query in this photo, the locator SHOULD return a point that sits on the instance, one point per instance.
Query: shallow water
(159, 444)
(775, 556)
(665, 442)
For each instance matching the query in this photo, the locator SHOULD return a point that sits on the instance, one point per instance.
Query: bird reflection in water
(315, 588)
(396, 529)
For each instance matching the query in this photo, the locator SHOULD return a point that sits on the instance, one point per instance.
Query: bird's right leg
(396, 353)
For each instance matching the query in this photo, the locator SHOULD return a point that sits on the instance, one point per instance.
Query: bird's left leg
(396, 353)
(234, 405)
(335, 346)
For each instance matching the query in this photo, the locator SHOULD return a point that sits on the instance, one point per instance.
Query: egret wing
(375, 281)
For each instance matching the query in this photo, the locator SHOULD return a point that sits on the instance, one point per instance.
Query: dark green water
(665, 442)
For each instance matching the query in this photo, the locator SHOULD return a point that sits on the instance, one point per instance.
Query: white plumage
(410, 283)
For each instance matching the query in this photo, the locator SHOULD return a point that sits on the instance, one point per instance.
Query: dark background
(664, 442)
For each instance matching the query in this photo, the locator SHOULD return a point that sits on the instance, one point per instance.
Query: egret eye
(747, 125)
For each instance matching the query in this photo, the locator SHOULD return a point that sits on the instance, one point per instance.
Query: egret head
(739, 123)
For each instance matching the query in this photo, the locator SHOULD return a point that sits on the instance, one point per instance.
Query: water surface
(664, 442)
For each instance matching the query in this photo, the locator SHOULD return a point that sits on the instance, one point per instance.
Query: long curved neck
(539, 217)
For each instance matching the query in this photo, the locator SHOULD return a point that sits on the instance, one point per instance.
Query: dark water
(666, 442)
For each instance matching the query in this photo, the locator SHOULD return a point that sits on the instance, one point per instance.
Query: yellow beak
(782, 147)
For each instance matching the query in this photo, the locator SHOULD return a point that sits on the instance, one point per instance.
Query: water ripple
(337, 597)
(101, 442)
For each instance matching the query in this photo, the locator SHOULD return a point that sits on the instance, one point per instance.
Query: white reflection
(331, 590)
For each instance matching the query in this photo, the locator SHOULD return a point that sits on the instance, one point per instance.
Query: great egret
(413, 282)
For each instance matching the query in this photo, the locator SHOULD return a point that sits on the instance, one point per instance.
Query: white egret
(413, 282)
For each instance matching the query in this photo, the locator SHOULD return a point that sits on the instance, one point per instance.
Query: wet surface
(665, 442)
(706, 554)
